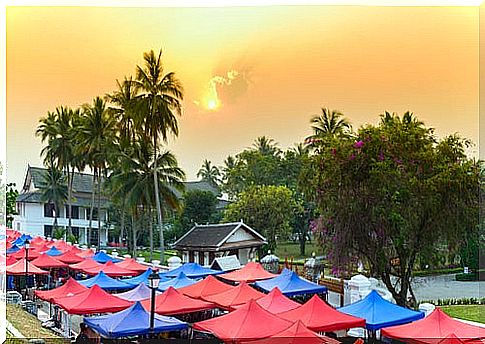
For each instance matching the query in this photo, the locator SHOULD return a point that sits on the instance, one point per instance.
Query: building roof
(82, 182)
(77, 200)
(215, 236)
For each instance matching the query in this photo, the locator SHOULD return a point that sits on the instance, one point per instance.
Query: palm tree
(162, 95)
(266, 146)
(329, 124)
(209, 173)
(96, 137)
(53, 189)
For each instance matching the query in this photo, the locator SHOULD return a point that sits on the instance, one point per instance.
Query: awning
(192, 270)
(208, 286)
(105, 282)
(236, 296)
(70, 288)
(251, 272)
(291, 284)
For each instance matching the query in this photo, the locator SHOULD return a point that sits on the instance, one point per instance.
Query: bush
(467, 277)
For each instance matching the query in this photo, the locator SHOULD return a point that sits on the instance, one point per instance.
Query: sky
(246, 71)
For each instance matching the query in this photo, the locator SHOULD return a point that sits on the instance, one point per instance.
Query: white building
(37, 218)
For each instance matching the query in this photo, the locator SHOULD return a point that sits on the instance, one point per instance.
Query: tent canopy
(70, 288)
(379, 313)
(143, 278)
(246, 323)
(132, 264)
(208, 286)
(92, 301)
(20, 254)
(102, 257)
(110, 269)
(291, 284)
(275, 302)
(235, 296)
(172, 302)
(192, 270)
(140, 293)
(44, 261)
(70, 257)
(88, 263)
(53, 252)
(105, 282)
(86, 253)
(297, 333)
(19, 269)
(178, 282)
(319, 316)
(133, 321)
(251, 272)
(433, 328)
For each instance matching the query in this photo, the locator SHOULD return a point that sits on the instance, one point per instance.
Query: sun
(212, 104)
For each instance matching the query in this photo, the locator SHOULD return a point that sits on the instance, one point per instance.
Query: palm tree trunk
(91, 208)
(70, 179)
(157, 202)
(122, 229)
(99, 210)
(150, 226)
(133, 232)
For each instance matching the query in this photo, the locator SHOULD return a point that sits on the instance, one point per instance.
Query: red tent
(20, 254)
(131, 264)
(297, 333)
(75, 249)
(91, 301)
(235, 296)
(61, 245)
(88, 263)
(451, 339)
(246, 323)
(10, 260)
(434, 328)
(47, 262)
(251, 272)
(68, 289)
(208, 286)
(19, 269)
(319, 316)
(70, 257)
(110, 269)
(86, 253)
(172, 302)
(275, 302)
(37, 241)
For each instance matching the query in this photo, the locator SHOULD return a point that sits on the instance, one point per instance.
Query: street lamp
(27, 246)
(153, 282)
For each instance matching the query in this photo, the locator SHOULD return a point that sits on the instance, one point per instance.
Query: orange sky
(289, 61)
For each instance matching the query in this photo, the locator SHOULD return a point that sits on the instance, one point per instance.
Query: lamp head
(153, 280)
(27, 244)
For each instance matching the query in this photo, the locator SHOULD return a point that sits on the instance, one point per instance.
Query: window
(47, 231)
(93, 238)
(75, 212)
(95, 214)
(75, 231)
(49, 210)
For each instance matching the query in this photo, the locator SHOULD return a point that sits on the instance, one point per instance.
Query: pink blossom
(381, 156)
(334, 151)
(359, 144)
(352, 157)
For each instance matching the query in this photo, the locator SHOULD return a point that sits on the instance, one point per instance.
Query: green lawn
(290, 249)
(466, 312)
(146, 253)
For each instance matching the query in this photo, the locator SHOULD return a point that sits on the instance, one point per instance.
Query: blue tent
(19, 242)
(291, 284)
(26, 237)
(379, 313)
(133, 321)
(143, 278)
(105, 282)
(140, 293)
(192, 270)
(53, 252)
(102, 257)
(178, 282)
(13, 249)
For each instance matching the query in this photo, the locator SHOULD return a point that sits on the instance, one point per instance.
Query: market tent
(379, 313)
(111, 270)
(140, 293)
(102, 257)
(61, 245)
(143, 278)
(178, 282)
(32, 254)
(44, 261)
(451, 339)
(10, 260)
(86, 253)
(105, 282)
(275, 302)
(13, 249)
(54, 252)
(75, 249)
(297, 333)
(19, 269)
(251, 272)
(192, 270)
(246, 323)
(70, 257)
(235, 296)
(208, 286)
(92, 301)
(319, 316)
(171, 302)
(434, 328)
(87, 263)
(133, 321)
(131, 264)
(291, 284)
(70, 288)
(37, 241)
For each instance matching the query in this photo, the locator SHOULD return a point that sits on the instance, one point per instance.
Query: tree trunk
(133, 232)
(122, 229)
(70, 180)
(150, 226)
(99, 210)
(91, 208)
(302, 244)
(157, 202)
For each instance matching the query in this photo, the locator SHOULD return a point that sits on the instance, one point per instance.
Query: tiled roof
(35, 197)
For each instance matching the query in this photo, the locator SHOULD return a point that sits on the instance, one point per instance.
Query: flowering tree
(390, 193)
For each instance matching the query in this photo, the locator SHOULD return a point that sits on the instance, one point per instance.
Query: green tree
(209, 173)
(53, 188)
(11, 197)
(330, 124)
(390, 195)
(269, 209)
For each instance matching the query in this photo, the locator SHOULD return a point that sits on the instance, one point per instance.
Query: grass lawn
(292, 249)
(466, 312)
(29, 325)
(146, 253)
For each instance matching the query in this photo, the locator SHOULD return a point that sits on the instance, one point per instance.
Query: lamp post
(153, 282)
(27, 246)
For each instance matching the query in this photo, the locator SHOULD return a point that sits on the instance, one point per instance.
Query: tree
(209, 173)
(329, 124)
(163, 95)
(268, 209)
(53, 188)
(390, 195)
(266, 146)
(11, 198)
